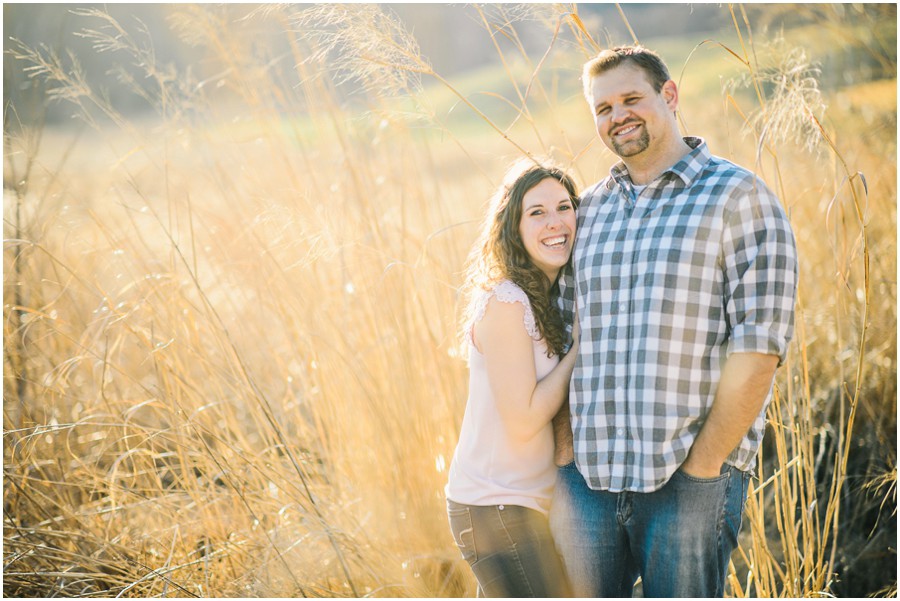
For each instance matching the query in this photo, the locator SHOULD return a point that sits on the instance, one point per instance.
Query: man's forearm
(562, 436)
(745, 383)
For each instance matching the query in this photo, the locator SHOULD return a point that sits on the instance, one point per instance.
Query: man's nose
(619, 113)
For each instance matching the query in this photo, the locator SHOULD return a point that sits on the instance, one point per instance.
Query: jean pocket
(694, 479)
(461, 528)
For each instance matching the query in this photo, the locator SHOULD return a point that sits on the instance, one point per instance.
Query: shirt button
(501, 508)
(622, 307)
(620, 431)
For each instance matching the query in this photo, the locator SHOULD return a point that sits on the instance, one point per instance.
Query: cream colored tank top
(488, 468)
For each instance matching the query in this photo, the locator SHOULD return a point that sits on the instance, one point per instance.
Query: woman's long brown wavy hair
(499, 253)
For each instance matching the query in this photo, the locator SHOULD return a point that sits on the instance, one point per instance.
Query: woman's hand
(576, 329)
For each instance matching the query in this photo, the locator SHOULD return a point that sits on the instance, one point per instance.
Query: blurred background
(234, 237)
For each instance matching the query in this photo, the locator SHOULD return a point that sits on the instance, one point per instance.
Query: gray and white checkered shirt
(668, 284)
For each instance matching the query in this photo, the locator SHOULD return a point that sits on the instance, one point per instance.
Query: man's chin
(629, 149)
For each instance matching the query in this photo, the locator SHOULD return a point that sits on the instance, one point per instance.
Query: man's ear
(669, 93)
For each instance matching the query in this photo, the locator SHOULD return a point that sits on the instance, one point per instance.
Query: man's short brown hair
(643, 58)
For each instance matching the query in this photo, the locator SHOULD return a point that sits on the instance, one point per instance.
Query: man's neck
(645, 169)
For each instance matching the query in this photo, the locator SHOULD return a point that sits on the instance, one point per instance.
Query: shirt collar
(686, 169)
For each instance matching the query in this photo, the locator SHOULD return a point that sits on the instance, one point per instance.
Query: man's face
(631, 117)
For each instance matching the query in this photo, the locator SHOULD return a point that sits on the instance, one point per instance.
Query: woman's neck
(548, 281)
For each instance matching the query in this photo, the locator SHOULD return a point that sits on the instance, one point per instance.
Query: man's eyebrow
(622, 95)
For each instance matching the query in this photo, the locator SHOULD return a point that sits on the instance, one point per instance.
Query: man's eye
(603, 111)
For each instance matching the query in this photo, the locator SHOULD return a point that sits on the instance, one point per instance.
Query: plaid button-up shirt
(668, 283)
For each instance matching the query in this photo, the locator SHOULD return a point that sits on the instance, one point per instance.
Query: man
(685, 273)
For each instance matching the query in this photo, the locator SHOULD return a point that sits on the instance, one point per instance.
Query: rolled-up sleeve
(760, 264)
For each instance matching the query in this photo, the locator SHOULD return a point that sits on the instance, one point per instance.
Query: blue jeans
(679, 538)
(509, 549)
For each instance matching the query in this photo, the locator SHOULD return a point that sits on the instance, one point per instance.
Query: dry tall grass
(230, 362)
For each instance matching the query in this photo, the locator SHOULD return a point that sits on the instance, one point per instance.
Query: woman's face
(547, 226)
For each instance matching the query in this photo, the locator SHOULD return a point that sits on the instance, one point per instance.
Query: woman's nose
(553, 220)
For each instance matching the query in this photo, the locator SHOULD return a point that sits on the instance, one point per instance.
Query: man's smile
(625, 129)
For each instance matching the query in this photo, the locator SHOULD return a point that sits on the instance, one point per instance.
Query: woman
(502, 473)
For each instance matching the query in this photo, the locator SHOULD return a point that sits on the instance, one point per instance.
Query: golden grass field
(230, 353)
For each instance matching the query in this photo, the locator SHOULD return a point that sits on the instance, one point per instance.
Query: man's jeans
(679, 538)
(509, 549)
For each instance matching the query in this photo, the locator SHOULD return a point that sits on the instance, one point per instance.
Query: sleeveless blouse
(488, 467)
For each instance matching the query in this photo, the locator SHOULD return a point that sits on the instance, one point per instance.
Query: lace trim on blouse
(507, 292)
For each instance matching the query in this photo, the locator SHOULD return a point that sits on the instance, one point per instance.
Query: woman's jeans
(679, 538)
(509, 549)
